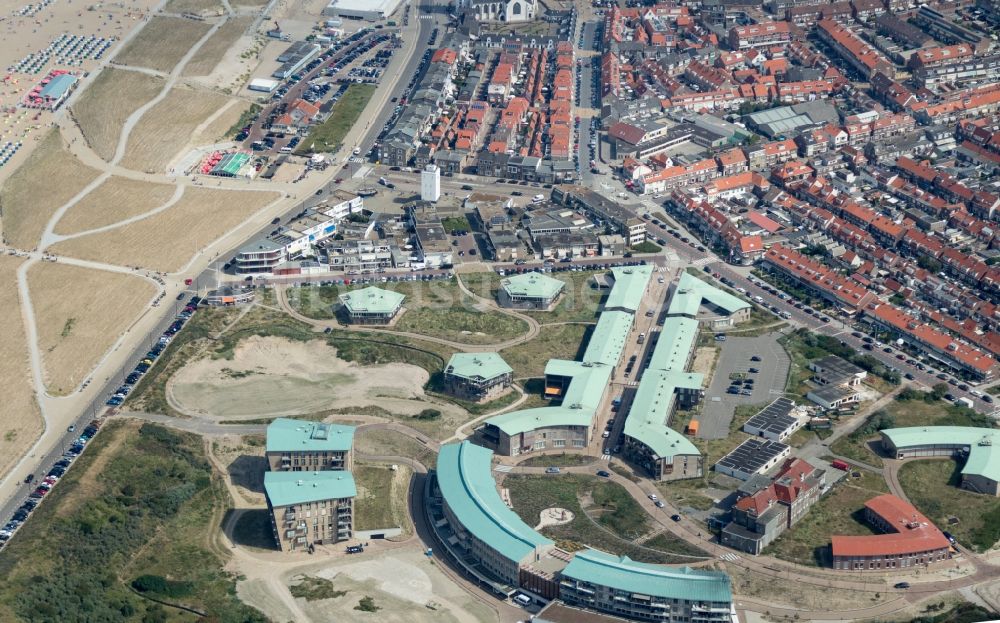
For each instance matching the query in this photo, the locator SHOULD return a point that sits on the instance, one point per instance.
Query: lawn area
(436, 309)
(580, 300)
(560, 460)
(690, 493)
(611, 521)
(840, 511)
(142, 503)
(933, 487)
(328, 136)
(899, 414)
(646, 247)
(382, 496)
(452, 224)
(386, 442)
(667, 542)
(484, 284)
(557, 342)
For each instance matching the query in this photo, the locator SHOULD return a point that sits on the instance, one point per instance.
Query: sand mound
(270, 376)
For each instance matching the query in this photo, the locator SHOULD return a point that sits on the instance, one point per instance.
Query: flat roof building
(834, 396)
(310, 508)
(833, 370)
(529, 291)
(302, 446)
(371, 305)
(753, 456)
(774, 422)
(477, 376)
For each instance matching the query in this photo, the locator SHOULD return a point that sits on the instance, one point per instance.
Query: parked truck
(965, 402)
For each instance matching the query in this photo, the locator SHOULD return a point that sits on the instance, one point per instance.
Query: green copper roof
(464, 475)
(691, 291)
(535, 285)
(287, 435)
(677, 340)
(589, 377)
(646, 579)
(477, 365)
(630, 286)
(654, 400)
(983, 445)
(372, 300)
(289, 488)
(609, 338)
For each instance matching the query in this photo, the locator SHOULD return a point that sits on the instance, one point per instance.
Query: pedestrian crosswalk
(703, 261)
(605, 457)
(730, 557)
(503, 468)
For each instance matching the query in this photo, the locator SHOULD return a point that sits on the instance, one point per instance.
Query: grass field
(563, 341)
(217, 130)
(390, 442)
(933, 487)
(19, 413)
(436, 309)
(103, 108)
(162, 43)
(168, 240)
(167, 128)
(605, 515)
(142, 501)
(903, 413)
(28, 198)
(328, 136)
(80, 313)
(382, 496)
(116, 199)
(193, 6)
(840, 511)
(208, 55)
(559, 460)
(579, 301)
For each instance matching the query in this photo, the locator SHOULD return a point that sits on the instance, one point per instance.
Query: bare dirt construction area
(116, 199)
(168, 240)
(167, 127)
(80, 313)
(405, 586)
(30, 197)
(162, 43)
(266, 372)
(211, 53)
(21, 420)
(103, 108)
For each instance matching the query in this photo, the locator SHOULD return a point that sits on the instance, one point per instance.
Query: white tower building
(430, 183)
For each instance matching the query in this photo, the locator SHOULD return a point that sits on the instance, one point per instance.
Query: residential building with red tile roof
(909, 539)
(759, 35)
(761, 517)
(819, 278)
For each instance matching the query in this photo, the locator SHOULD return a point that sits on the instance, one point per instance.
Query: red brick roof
(914, 533)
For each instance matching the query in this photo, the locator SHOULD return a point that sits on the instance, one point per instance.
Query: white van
(522, 599)
(538, 198)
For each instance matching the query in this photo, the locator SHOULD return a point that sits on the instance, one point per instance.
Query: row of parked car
(119, 395)
(47, 482)
(80, 443)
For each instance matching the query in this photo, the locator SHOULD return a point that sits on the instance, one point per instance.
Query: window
(559, 443)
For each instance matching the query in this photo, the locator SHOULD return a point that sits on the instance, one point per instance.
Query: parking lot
(736, 354)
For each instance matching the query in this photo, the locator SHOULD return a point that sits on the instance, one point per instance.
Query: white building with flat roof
(430, 183)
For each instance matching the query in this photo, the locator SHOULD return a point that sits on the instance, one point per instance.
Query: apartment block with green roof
(979, 447)
(478, 377)
(310, 508)
(711, 306)
(529, 291)
(370, 306)
(303, 446)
